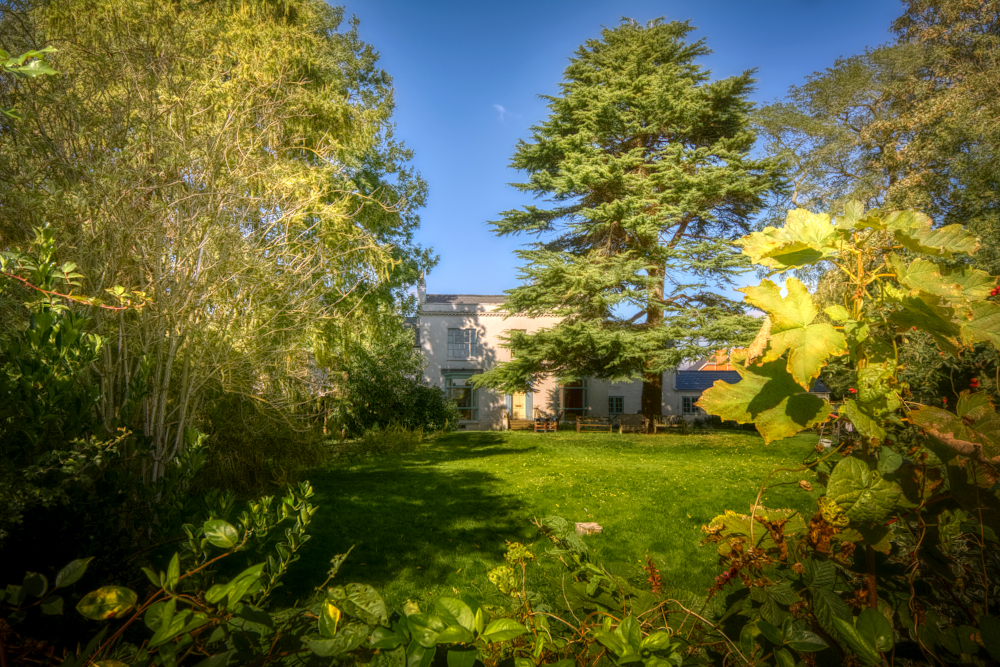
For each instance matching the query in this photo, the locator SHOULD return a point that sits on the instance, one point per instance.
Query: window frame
(688, 406)
(613, 402)
(472, 409)
(464, 349)
(583, 387)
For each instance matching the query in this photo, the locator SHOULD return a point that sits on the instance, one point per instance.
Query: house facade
(459, 336)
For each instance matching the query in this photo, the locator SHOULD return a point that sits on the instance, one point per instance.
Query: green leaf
(820, 573)
(927, 313)
(384, 638)
(418, 656)
(35, 584)
(802, 640)
(864, 422)
(784, 658)
(984, 325)
(828, 607)
(914, 231)
(329, 617)
(52, 605)
(503, 629)
(772, 632)
(863, 494)
(462, 657)
(106, 602)
(862, 648)
(458, 610)
(361, 601)
(173, 571)
(71, 573)
(876, 629)
(228, 594)
(792, 330)
(349, 638)
(805, 239)
(657, 641)
(255, 615)
(455, 634)
(889, 461)
(425, 628)
(221, 533)
(837, 313)
(768, 397)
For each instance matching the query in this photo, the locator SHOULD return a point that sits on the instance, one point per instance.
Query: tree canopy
(644, 162)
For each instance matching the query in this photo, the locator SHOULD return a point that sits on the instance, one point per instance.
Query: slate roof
(702, 380)
(466, 298)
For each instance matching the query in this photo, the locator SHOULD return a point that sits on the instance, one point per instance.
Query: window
(462, 343)
(616, 405)
(574, 395)
(459, 389)
(688, 406)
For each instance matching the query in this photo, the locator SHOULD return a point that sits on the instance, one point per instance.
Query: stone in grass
(588, 528)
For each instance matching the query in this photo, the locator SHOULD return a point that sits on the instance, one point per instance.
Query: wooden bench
(593, 424)
(669, 421)
(546, 425)
(632, 423)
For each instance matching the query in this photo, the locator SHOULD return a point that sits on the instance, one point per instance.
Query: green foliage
(918, 499)
(25, 66)
(646, 166)
(377, 442)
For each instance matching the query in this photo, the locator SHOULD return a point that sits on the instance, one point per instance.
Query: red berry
(853, 390)
(914, 328)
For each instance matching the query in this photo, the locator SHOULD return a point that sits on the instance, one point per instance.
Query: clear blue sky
(467, 76)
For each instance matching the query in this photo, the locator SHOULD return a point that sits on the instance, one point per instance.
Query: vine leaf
(914, 230)
(984, 325)
(865, 423)
(769, 397)
(808, 345)
(863, 494)
(805, 239)
(926, 313)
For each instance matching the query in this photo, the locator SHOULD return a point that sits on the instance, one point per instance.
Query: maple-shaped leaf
(975, 434)
(984, 324)
(768, 397)
(862, 494)
(805, 239)
(808, 344)
(958, 286)
(914, 230)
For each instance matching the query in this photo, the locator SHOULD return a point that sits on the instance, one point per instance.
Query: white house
(458, 334)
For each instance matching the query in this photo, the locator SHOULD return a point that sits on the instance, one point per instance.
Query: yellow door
(517, 406)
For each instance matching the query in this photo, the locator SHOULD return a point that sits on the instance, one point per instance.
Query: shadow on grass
(408, 512)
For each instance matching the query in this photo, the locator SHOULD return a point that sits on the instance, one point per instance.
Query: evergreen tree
(645, 163)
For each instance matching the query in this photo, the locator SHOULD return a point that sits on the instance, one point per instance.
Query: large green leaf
(72, 572)
(914, 230)
(503, 629)
(961, 435)
(805, 239)
(361, 601)
(859, 645)
(866, 424)
(452, 608)
(876, 629)
(221, 533)
(862, 494)
(107, 602)
(808, 345)
(769, 397)
(349, 638)
(984, 325)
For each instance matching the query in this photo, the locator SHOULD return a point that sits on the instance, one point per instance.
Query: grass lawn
(437, 518)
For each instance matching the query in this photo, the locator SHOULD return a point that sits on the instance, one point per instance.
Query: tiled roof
(702, 380)
(466, 298)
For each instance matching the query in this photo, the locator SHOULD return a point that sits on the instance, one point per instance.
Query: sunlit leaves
(805, 239)
(808, 344)
(107, 602)
(862, 494)
(769, 397)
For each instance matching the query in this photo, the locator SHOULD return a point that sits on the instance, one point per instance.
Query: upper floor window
(462, 343)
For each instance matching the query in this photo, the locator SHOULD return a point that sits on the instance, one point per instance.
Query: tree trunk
(652, 395)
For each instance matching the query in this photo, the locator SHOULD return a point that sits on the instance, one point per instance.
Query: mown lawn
(428, 521)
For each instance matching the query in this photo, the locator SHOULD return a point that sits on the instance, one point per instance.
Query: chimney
(421, 290)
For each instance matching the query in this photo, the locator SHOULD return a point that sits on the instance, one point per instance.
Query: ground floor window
(616, 405)
(459, 389)
(688, 406)
(574, 395)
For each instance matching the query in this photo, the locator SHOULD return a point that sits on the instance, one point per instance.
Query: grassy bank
(438, 518)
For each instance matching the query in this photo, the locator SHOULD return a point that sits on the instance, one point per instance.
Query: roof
(465, 298)
(702, 380)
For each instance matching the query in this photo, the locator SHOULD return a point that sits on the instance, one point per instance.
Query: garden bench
(545, 425)
(669, 421)
(633, 423)
(593, 424)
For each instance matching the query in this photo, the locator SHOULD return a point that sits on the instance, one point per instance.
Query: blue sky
(467, 77)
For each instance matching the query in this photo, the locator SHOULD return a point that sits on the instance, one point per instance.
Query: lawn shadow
(409, 512)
